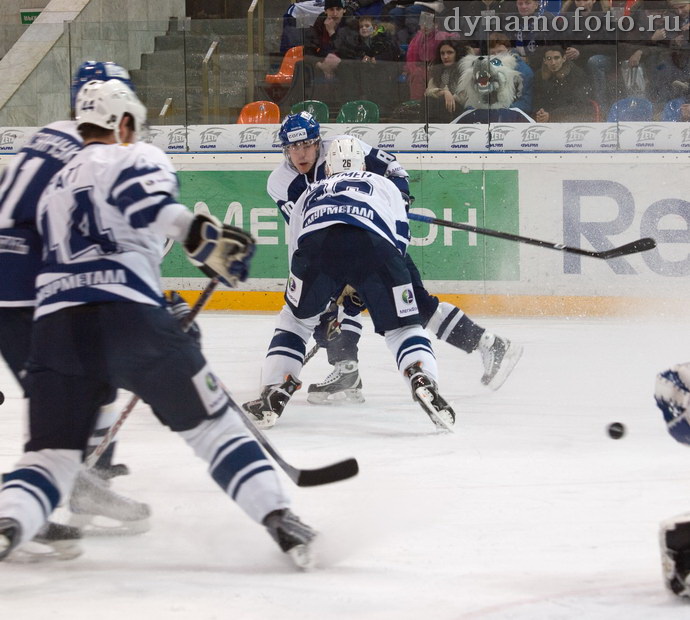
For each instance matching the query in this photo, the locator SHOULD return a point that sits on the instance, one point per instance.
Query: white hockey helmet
(344, 155)
(105, 103)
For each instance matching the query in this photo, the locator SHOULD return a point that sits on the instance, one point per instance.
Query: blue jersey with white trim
(285, 185)
(21, 185)
(104, 219)
(360, 199)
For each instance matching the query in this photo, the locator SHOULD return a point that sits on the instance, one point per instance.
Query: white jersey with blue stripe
(104, 219)
(285, 185)
(360, 199)
(21, 184)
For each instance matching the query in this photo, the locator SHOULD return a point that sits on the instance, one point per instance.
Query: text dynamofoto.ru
(608, 22)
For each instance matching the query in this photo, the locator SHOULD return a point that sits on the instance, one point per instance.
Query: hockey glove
(179, 308)
(226, 250)
(328, 327)
(672, 396)
(351, 302)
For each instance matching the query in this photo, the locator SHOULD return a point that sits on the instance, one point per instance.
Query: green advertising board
(487, 199)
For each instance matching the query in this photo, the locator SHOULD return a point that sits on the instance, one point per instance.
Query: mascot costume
(491, 84)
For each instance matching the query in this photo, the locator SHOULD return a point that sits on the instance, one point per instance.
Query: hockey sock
(33, 490)
(410, 345)
(451, 324)
(238, 465)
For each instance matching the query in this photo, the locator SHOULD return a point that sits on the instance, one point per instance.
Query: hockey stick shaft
(641, 245)
(124, 414)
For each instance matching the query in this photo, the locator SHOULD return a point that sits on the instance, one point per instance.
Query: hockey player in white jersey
(351, 208)
(304, 163)
(21, 185)
(101, 324)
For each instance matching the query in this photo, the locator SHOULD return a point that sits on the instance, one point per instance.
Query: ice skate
(99, 510)
(425, 392)
(292, 536)
(499, 356)
(10, 535)
(54, 541)
(342, 385)
(266, 409)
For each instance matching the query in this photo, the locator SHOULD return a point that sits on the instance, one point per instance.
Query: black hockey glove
(226, 250)
(179, 308)
(328, 327)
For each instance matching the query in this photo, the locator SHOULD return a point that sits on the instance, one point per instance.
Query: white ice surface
(528, 511)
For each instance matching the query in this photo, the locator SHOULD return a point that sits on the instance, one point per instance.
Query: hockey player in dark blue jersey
(304, 163)
(103, 221)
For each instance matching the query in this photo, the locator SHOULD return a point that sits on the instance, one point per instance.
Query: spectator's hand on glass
(659, 35)
(685, 112)
(634, 60)
(542, 116)
(572, 53)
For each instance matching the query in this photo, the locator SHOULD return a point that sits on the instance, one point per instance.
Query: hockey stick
(641, 245)
(124, 414)
(342, 470)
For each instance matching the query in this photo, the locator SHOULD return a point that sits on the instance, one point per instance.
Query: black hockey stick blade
(641, 245)
(325, 475)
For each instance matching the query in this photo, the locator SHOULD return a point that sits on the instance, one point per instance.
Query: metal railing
(211, 102)
(251, 80)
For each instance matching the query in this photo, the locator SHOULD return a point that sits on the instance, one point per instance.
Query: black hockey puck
(616, 430)
(2, 398)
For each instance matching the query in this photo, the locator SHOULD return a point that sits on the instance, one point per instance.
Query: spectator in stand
(530, 41)
(373, 8)
(370, 64)
(592, 49)
(499, 43)
(421, 52)
(317, 76)
(561, 90)
(443, 101)
(405, 14)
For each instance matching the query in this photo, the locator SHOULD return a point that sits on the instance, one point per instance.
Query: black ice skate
(292, 536)
(10, 535)
(266, 409)
(675, 554)
(54, 541)
(343, 384)
(99, 510)
(425, 392)
(499, 356)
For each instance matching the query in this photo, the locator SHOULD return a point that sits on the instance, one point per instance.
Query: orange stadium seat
(259, 113)
(287, 67)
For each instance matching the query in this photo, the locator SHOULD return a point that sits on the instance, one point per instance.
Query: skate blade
(303, 557)
(268, 421)
(441, 419)
(98, 525)
(32, 552)
(338, 398)
(510, 359)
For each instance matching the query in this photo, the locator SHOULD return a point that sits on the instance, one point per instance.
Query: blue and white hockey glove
(351, 302)
(179, 308)
(328, 327)
(672, 396)
(226, 250)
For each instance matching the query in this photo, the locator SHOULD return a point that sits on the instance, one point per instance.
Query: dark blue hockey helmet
(97, 70)
(298, 128)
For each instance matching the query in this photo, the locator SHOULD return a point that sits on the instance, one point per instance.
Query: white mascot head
(490, 81)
